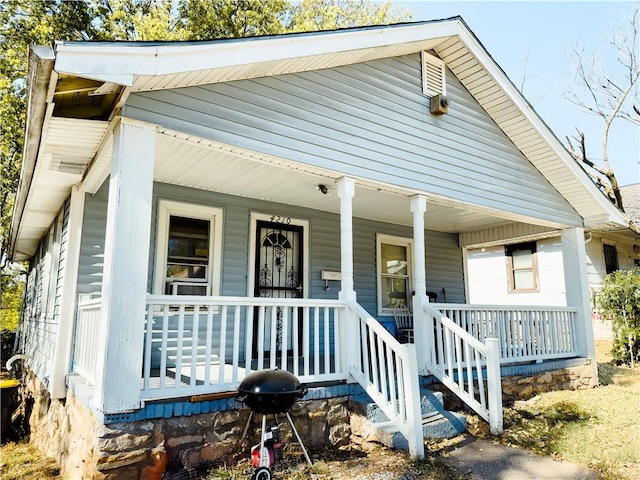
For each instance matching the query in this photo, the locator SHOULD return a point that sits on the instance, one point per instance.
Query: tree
(619, 300)
(24, 24)
(610, 92)
(314, 15)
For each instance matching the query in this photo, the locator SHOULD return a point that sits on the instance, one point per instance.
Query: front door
(278, 273)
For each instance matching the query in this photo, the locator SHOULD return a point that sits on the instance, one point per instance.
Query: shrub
(619, 300)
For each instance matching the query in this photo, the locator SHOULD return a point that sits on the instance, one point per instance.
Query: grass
(599, 427)
(22, 461)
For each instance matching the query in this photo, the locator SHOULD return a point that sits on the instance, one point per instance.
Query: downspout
(41, 62)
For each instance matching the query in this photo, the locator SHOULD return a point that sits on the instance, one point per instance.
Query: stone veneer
(67, 431)
(526, 385)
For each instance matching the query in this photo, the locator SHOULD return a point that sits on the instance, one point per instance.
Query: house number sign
(282, 220)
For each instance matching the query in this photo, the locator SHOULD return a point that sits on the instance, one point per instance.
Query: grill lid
(270, 391)
(266, 382)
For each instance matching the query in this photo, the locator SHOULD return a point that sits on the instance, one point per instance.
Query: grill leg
(295, 432)
(264, 454)
(246, 427)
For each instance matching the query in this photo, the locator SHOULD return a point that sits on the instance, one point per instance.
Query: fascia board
(108, 61)
(492, 68)
(41, 60)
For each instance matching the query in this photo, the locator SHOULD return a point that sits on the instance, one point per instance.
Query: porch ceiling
(210, 166)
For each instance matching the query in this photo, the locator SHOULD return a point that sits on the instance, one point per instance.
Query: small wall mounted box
(331, 275)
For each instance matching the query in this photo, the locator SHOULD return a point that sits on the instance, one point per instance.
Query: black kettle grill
(270, 392)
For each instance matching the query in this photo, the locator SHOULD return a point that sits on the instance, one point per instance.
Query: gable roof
(87, 82)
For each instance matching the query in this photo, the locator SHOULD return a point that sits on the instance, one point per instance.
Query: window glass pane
(521, 259)
(610, 258)
(187, 256)
(523, 279)
(394, 291)
(394, 259)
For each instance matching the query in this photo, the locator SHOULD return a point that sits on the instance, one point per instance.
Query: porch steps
(371, 424)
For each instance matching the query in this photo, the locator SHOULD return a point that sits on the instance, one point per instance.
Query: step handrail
(460, 361)
(388, 372)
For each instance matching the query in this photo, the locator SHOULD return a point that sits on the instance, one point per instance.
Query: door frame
(253, 219)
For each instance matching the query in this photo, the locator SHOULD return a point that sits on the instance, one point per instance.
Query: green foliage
(12, 284)
(208, 19)
(314, 15)
(619, 300)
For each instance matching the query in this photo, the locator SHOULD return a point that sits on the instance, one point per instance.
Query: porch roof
(78, 89)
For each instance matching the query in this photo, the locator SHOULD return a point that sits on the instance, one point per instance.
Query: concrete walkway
(484, 460)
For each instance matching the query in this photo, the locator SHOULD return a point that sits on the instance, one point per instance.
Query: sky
(531, 42)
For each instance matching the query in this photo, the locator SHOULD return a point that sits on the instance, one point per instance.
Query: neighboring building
(535, 262)
(194, 211)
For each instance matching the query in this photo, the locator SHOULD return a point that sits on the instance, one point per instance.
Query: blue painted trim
(179, 408)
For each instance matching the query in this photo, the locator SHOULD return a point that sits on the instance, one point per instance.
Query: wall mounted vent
(433, 75)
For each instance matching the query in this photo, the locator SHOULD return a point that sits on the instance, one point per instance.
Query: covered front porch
(186, 350)
(133, 347)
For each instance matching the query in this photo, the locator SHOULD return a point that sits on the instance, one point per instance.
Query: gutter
(39, 76)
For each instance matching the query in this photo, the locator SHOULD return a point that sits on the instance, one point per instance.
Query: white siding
(488, 282)
(368, 120)
(596, 270)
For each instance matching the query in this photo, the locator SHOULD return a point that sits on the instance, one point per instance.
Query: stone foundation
(523, 387)
(67, 431)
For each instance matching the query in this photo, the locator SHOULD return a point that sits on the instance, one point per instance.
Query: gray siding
(369, 120)
(443, 256)
(42, 300)
(94, 226)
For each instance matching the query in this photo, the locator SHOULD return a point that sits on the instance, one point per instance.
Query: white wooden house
(193, 211)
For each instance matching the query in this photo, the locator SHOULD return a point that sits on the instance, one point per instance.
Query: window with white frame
(188, 251)
(522, 267)
(394, 272)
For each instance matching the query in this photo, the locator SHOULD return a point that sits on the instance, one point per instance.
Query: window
(610, 258)
(189, 245)
(394, 272)
(522, 267)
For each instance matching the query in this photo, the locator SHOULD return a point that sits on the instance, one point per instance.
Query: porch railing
(86, 340)
(199, 345)
(459, 361)
(388, 371)
(524, 333)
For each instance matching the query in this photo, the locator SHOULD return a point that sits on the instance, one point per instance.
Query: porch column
(577, 290)
(418, 208)
(346, 192)
(69, 295)
(126, 268)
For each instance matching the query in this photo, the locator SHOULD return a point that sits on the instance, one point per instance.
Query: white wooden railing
(199, 345)
(86, 339)
(468, 367)
(388, 371)
(524, 333)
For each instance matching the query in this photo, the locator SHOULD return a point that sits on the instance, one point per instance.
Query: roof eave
(131, 60)
(41, 61)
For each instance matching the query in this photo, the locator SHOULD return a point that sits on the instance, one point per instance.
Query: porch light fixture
(323, 189)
